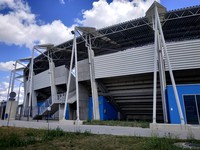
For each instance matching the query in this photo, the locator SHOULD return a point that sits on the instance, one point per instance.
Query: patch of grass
(34, 139)
(19, 137)
(15, 139)
(53, 133)
(142, 124)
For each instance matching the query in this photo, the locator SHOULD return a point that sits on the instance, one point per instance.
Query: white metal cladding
(131, 61)
(183, 55)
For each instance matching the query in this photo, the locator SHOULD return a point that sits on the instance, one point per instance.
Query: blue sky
(24, 23)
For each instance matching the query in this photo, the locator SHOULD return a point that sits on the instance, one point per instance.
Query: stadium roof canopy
(181, 24)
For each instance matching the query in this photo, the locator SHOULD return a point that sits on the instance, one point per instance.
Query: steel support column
(73, 54)
(88, 31)
(96, 115)
(76, 73)
(169, 65)
(13, 77)
(161, 67)
(31, 82)
(52, 79)
(18, 95)
(155, 71)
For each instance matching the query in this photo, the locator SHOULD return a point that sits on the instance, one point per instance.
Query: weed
(87, 133)
(19, 138)
(142, 124)
(54, 133)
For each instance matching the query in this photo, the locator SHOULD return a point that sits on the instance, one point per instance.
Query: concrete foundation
(11, 112)
(158, 130)
(175, 130)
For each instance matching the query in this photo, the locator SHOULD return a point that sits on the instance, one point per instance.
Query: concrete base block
(177, 130)
(169, 127)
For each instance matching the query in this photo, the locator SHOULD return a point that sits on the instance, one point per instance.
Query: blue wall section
(40, 103)
(107, 110)
(174, 117)
(67, 112)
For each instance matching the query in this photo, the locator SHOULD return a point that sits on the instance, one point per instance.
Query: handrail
(61, 97)
(39, 110)
(44, 106)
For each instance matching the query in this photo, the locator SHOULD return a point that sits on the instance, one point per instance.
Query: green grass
(142, 124)
(12, 138)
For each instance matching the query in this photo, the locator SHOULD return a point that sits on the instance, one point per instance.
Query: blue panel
(4, 104)
(67, 112)
(174, 117)
(101, 107)
(39, 103)
(90, 109)
(106, 110)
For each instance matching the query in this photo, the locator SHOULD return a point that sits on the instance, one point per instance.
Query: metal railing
(40, 110)
(61, 97)
(44, 106)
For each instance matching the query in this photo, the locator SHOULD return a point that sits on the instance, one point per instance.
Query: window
(192, 108)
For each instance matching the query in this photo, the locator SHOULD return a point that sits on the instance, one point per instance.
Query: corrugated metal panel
(131, 61)
(183, 55)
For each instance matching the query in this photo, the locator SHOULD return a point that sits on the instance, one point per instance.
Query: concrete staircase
(42, 111)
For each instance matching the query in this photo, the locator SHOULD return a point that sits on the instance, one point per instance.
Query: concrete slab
(69, 126)
(178, 130)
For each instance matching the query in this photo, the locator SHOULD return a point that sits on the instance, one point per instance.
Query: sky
(24, 23)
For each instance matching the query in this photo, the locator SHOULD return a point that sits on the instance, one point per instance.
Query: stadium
(142, 69)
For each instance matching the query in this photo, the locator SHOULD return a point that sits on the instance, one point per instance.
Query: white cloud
(20, 26)
(62, 1)
(4, 91)
(9, 65)
(105, 14)
(6, 66)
